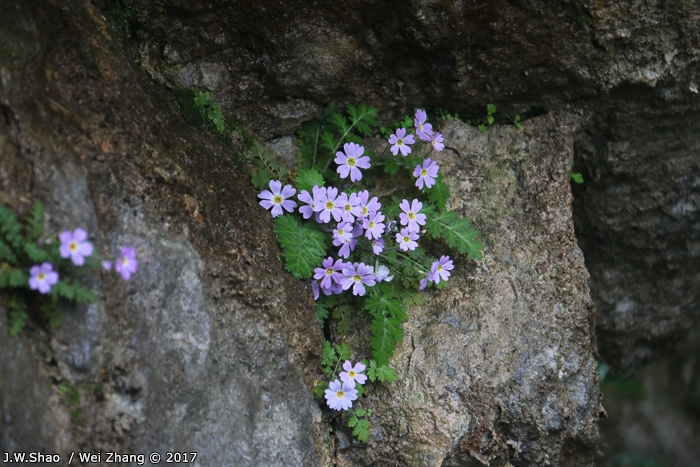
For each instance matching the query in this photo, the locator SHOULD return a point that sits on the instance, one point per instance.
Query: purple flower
(400, 142)
(350, 162)
(126, 265)
(426, 173)
(74, 246)
(342, 234)
(357, 275)
(441, 269)
(107, 265)
(339, 396)
(368, 205)
(423, 130)
(410, 216)
(436, 141)
(373, 225)
(407, 239)
(42, 277)
(327, 205)
(278, 198)
(353, 374)
(350, 206)
(378, 246)
(382, 274)
(308, 209)
(330, 272)
(423, 284)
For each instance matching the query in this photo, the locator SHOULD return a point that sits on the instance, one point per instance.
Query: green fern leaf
(303, 246)
(10, 228)
(456, 232)
(6, 253)
(307, 179)
(34, 227)
(321, 313)
(439, 193)
(387, 316)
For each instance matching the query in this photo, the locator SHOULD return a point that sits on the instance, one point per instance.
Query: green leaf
(387, 316)
(35, 254)
(456, 232)
(13, 277)
(439, 193)
(328, 354)
(308, 178)
(577, 177)
(491, 109)
(343, 350)
(6, 253)
(303, 246)
(73, 291)
(18, 319)
(10, 228)
(391, 166)
(34, 227)
(201, 99)
(386, 374)
(321, 313)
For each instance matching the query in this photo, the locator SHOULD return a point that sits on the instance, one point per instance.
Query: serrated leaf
(34, 227)
(343, 350)
(391, 166)
(308, 178)
(439, 193)
(456, 232)
(387, 317)
(18, 319)
(328, 354)
(6, 253)
(386, 374)
(10, 228)
(35, 254)
(321, 313)
(491, 109)
(201, 98)
(360, 412)
(303, 246)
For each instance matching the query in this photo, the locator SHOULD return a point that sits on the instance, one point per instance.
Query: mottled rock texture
(214, 348)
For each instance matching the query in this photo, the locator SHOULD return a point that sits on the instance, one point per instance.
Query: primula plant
(38, 272)
(369, 230)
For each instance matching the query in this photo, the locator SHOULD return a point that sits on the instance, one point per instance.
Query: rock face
(213, 348)
(497, 368)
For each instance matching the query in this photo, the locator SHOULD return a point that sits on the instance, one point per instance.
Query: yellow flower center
(329, 271)
(340, 394)
(406, 239)
(348, 208)
(356, 278)
(399, 142)
(341, 232)
(371, 224)
(364, 210)
(277, 199)
(73, 246)
(351, 162)
(424, 172)
(439, 268)
(330, 205)
(352, 373)
(41, 276)
(411, 215)
(124, 261)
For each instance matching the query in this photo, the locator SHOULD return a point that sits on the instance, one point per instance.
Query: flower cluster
(74, 246)
(356, 217)
(427, 172)
(342, 392)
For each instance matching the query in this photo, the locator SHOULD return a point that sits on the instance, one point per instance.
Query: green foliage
(303, 246)
(439, 193)
(306, 179)
(382, 373)
(210, 109)
(268, 168)
(444, 115)
(359, 422)
(321, 313)
(575, 177)
(388, 314)
(456, 232)
(21, 247)
(483, 123)
(517, 123)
